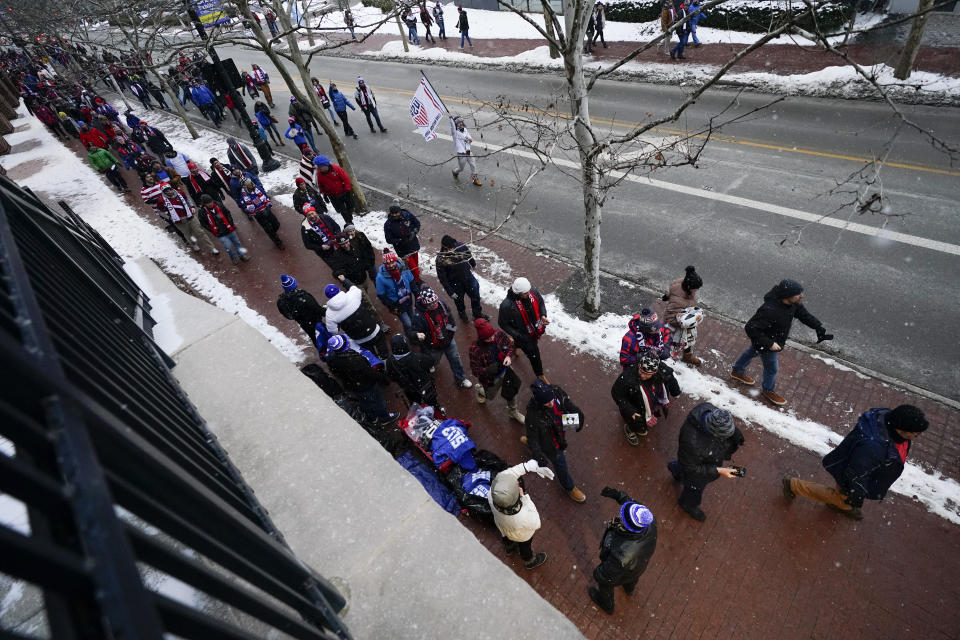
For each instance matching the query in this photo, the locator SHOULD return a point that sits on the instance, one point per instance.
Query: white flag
(426, 110)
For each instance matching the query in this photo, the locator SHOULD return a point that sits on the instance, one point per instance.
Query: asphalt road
(747, 215)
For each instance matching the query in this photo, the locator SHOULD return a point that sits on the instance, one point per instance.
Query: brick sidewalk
(758, 567)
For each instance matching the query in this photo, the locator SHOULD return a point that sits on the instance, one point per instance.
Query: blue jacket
(340, 101)
(236, 186)
(132, 121)
(201, 95)
(263, 118)
(697, 14)
(297, 137)
(867, 462)
(395, 294)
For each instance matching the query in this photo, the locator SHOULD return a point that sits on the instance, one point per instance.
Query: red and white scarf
(203, 175)
(244, 158)
(259, 76)
(177, 208)
(217, 210)
(535, 328)
(437, 324)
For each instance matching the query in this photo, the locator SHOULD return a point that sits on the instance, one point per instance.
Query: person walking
(600, 21)
(644, 331)
(666, 24)
(299, 305)
(262, 81)
(413, 373)
(306, 194)
(455, 266)
(438, 18)
(397, 289)
(352, 262)
(340, 104)
(768, 331)
(200, 183)
(514, 512)
(549, 413)
(410, 19)
(237, 178)
(523, 316)
(490, 359)
(427, 22)
(176, 207)
(318, 233)
(239, 155)
(271, 19)
(591, 31)
(332, 181)
(217, 219)
(683, 32)
(707, 438)
(698, 15)
(368, 104)
(301, 114)
(626, 547)
(867, 461)
(463, 26)
(324, 100)
(682, 295)
(401, 230)
(349, 23)
(262, 112)
(642, 393)
(297, 133)
(255, 201)
(357, 374)
(106, 163)
(349, 314)
(462, 145)
(434, 329)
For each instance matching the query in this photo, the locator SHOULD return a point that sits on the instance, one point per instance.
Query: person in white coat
(461, 144)
(515, 514)
(348, 314)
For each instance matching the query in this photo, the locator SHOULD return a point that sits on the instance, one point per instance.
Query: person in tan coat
(682, 294)
(666, 19)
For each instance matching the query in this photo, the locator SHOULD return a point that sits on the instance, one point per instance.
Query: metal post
(268, 162)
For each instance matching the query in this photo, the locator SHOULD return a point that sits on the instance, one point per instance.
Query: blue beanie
(331, 290)
(338, 343)
(542, 392)
(635, 517)
(289, 283)
(321, 161)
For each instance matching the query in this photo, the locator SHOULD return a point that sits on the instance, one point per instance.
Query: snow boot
(536, 560)
(513, 412)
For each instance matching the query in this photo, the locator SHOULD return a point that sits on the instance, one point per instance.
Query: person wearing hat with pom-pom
(434, 329)
(549, 413)
(523, 316)
(490, 359)
(682, 294)
(707, 438)
(626, 547)
(300, 306)
(368, 104)
(515, 514)
(769, 329)
(867, 462)
(642, 393)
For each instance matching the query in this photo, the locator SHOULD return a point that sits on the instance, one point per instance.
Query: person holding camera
(626, 547)
(550, 413)
(515, 514)
(707, 438)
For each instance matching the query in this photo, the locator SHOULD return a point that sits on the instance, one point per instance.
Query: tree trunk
(912, 46)
(305, 20)
(176, 103)
(403, 35)
(548, 27)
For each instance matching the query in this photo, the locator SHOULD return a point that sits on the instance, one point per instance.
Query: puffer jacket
(867, 462)
(628, 390)
(771, 322)
(624, 555)
(346, 315)
(677, 300)
(700, 451)
(402, 233)
(521, 525)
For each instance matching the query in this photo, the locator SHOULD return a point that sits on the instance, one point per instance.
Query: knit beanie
(907, 417)
(331, 290)
(542, 392)
(788, 288)
(448, 242)
(485, 330)
(338, 343)
(398, 345)
(635, 517)
(691, 280)
(720, 423)
(520, 285)
(289, 283)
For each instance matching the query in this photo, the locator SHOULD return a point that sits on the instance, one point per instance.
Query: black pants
(270, 224)
(531, 348)
(114, 176)
(473, 290)
(343, 204)
(347, 129)
(692, 494)
(525, 547)
(606, 590)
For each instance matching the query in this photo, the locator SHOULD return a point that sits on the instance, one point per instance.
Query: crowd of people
(201, 200)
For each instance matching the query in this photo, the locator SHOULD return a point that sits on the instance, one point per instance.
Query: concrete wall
(410, 570)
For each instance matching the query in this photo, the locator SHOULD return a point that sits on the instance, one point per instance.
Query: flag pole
(430, 84)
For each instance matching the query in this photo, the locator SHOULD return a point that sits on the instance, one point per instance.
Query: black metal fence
(120, 478)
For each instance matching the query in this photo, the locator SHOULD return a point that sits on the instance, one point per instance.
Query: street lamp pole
(268, 162)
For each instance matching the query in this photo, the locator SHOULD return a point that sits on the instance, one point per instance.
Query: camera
(740, 472)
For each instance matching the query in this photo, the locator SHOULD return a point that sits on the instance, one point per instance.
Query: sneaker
(465, 384)
(774, 397)
(383, 130)
(696, 513)
(536, 560)
(576, 495)
(516, 415)
(689, 358)
(787, 489)
(477, 182)
(193, 239)
(741, 377)
(242, 251)
(854, 512)
(632, 438)
(215, 252)
(595, 596)
(481, 395)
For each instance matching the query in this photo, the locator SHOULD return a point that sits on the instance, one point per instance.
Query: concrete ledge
(345, 507)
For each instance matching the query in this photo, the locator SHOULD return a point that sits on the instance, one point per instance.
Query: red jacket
(334, 182)
(94, 137)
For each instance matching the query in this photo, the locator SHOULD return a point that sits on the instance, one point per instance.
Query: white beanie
(520, 285)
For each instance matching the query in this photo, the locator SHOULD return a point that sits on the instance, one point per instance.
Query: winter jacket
(624, 555)
(322, 96)
(402, 233)
(340, 101)
(454, 269)
(461, 139)
(301, 113)
(308, 196)
(201, 95)
(334, 182)
(442, 322)
(633, 340)
(700, 451)
(353, 264)
(438, 15)
(254, 202)
(301, 307)
(263, 117)
(521, 525)
(411, 372)
(677, 300)
(94, 137)
(156, 141)
(697, 14)
(365, 99)
(101, 159)
(179, 164)
(396, 296)
(771, 322)
(866, 463)
(236, 186)
(462, 23)
(646, 397)
(346, 314)
(545, 434)
(511, 320)
(353, 370)
(297, 135)
(217, 219)
(239, 156)
(199, 186)
(486, 358)
(315, 237)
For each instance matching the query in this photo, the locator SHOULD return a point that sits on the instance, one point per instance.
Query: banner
(210, 12)
(426, 110)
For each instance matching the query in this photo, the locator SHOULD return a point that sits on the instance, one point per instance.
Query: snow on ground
(600, 338)
(64, 175)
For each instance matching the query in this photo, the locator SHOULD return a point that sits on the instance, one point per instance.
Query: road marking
(797, 214)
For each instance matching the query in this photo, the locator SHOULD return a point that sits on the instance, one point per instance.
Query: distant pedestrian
(410, 19)
(413, 373)
(682, 295)
(600, 20)
(217, 219)
(626, 547)
(300, 306)
(768, 331)
(234, 109)
(434, 329)
(550, 413)
(261, 79)
(455, 266)
(271, 19)
(515, 514)
(368, 104)
(427, 23)
(267, 121)
(642, 393)
(324, 100)
(401, 230)
(300, 112)
(297, 133)
(349, 23)
(438, 18)
(698, 15)
(666, 24)
(463, 26)
(707, 438)
(683, 32)
(175, 206)
(590, 33)
(239, 155)
(462, 145)
(490, 359)
(523, 316)
(250, 85)
(106, 163)
(340, 104)
(333, 182)
(867, 462)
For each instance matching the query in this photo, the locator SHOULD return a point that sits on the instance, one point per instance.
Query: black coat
(352, 263)
(700, 451)
(312, 196)
(771, 322)
(454, 269)
(544, 435)
(418, 323)
(301, 307)
(511, 321)
(624, 555)
(402, 234)
(353, 370)
(626, 390)
(211, 187)
(412, 374)
(314, 241)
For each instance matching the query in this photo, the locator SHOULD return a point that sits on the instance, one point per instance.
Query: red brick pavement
(781, 59)
(759, 567)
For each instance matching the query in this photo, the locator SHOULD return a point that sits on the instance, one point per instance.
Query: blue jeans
(376, 116)
(443, 32)
(678, 48)
(309, 135)
(231, 242)
(453, 357)
(562, 472)
(770, 365)
(412, 35)
(465, 34)
(693, 32)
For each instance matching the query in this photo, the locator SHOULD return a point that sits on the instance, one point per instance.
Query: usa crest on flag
(426, 110)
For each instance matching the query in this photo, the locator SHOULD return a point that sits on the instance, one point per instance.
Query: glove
(532, 466)
(609, 492)
(823, 335)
